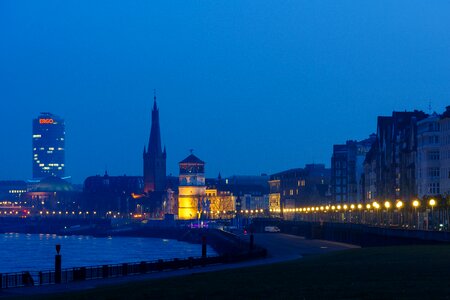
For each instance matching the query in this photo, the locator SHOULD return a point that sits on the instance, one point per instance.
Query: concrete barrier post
(143, 267)
(203, 247)
(124, 269)
(105, 271)
(58, 264)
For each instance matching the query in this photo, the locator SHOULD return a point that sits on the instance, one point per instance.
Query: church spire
(154, 157)
(155, 107)
(154, 143)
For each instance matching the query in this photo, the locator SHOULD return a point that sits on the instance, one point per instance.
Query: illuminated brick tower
(192, 188)
(154, 158)
(48, 146)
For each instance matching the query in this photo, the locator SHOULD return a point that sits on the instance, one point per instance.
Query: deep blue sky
(252, 86)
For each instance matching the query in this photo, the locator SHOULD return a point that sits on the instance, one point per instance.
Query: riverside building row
(408, 158)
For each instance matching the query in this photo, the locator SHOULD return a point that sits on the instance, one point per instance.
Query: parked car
(271, 229)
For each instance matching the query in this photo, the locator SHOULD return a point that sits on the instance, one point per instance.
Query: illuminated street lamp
(432, 202)
(399, 204)
(387, 204)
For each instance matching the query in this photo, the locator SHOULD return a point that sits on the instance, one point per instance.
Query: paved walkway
(281, 247)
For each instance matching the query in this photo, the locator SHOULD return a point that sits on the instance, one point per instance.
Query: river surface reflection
(36, 252)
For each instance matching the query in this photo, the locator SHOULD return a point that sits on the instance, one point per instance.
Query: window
(433, 172)
(433, 155)
(434, 139)
(433, 188)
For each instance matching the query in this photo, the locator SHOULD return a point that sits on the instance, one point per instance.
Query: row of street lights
(392, 213)
(349, 207)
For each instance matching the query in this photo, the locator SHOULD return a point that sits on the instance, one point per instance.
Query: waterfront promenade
(281, 247)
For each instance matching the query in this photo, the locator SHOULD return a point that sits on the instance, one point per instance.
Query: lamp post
(359, 215)
(416, 204)
(376, 206)
(432, 203)
(387, 204)
(368, 206)
(399, 206)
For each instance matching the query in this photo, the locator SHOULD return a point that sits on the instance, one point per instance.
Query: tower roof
(192, 159)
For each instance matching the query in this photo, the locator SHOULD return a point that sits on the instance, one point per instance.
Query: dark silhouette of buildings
(390, 166)
(347, 170)
(249, 192)
(302, 186)
(48, 146)
(154, 158)
(12, 190)
(52, 194)
(112, 193)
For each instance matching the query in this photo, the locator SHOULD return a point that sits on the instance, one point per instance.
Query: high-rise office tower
(48, 146)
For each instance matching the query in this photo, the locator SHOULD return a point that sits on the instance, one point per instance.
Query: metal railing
(22, 279)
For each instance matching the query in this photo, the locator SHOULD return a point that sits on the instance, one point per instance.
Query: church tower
(154, 157)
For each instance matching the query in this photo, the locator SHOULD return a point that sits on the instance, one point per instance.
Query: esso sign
(46, 121)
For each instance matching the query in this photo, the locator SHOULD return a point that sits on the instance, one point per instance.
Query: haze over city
(251, 86)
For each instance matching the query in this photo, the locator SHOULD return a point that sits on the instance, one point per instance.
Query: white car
(271, 229)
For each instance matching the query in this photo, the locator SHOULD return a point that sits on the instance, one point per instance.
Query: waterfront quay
(227, 247)
(280, 248)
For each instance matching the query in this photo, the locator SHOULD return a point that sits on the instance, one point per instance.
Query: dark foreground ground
(413, 272)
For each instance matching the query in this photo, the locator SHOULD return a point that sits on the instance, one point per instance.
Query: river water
(36, 252)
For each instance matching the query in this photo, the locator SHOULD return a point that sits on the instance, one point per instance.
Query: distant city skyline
(251, 87)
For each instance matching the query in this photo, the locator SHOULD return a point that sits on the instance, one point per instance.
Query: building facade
(12, 190)
(444, 125)
(302, 186)
(428, 157)
(239, 192)
(347, 170)
(113, 193)
(393, 158)
(48, 146)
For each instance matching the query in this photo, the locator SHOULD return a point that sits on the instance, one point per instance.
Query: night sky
(252, 86)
